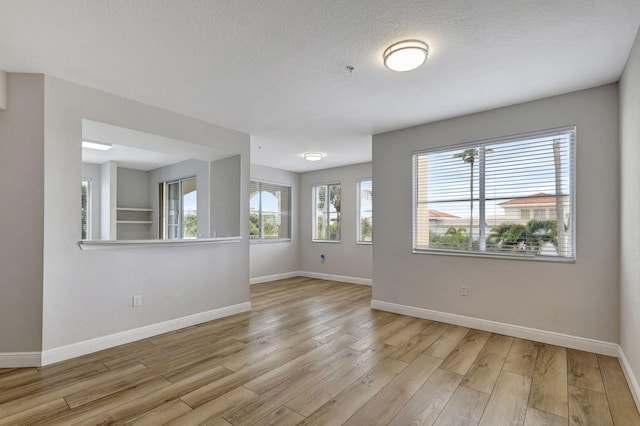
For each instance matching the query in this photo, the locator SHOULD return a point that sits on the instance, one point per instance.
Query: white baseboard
(631, 377)
(89, 346)
(339, 278)
(550, 337)
(20, 359)
(268, 278)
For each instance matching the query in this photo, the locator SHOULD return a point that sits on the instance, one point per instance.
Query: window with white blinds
(85, 210)
(269, 211)
(511, 196)
(365, 211)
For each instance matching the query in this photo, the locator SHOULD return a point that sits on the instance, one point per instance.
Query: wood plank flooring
(312, 352)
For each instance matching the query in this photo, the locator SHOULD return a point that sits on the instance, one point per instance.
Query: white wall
(345, 258)
(579, 299)
(87, 294)
(630, 210)
(22, 214)
(92, 172)
(274, 258)
(108, 200)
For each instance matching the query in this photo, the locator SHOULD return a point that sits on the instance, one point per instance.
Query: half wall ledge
(117, 244)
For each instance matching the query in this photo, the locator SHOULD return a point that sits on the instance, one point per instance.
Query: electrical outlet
(464, 290)
(137, 301)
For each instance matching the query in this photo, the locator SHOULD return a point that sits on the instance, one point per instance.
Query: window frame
(492, 141)
(163, 228)
(314, 217)
(359, 211)
(261, 239)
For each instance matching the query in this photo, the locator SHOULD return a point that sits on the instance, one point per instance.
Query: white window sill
(496, 256)
(326, 241)
(115, 244)
(364, 243)
(269, 240)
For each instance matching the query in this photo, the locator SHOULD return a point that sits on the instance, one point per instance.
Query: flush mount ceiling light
(405, 55)
(96, 145)
(313, 156)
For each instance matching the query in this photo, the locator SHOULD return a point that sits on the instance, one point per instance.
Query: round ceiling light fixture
(313, 156)
(405, 55)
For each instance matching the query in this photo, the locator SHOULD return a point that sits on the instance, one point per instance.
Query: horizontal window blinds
(270, 211)
(510, 196)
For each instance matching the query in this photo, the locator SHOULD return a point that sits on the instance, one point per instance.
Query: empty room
(189, 193)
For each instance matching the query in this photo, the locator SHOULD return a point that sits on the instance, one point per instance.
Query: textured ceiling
(277, 69)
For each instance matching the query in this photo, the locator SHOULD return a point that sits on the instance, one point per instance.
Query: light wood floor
(313, 352)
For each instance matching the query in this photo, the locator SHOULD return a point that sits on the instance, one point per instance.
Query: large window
(85, 211)
(365, 211)
(179, 209)
(326, 212)
(269, 211)
(511, 196)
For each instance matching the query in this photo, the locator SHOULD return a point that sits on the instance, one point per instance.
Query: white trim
(631, 378)
(544, 336)
(20, 359)
(275, 277)
(331, 277)
(93, 345)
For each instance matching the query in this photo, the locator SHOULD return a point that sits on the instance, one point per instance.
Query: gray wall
(226, 181)
(133, 188)
(273, 258)
(345, 258)
(630, 208)
(87, 294)
(580, 298)
(22, 217)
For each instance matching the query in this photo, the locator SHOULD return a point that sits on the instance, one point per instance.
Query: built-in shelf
(133, 215)
(133, 223)
(133, 209)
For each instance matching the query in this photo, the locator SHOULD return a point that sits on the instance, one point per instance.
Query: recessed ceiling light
(96, 145)
(405, 55)
(313, 156)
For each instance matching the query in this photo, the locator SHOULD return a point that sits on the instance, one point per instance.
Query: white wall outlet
(137, 301)
(464, 290)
